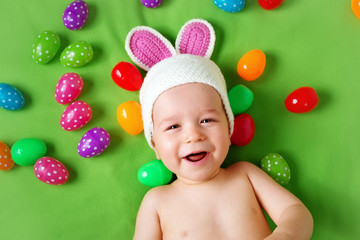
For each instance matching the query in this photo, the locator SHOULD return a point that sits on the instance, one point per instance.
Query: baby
(188, 122)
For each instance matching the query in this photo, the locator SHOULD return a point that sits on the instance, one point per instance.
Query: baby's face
(191, 131)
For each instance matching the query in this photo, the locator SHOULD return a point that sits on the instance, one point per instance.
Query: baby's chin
(198, 178)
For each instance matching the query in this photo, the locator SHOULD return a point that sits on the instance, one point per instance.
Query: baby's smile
(197, 158)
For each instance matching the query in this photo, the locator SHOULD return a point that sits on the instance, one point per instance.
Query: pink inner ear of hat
(195, 39)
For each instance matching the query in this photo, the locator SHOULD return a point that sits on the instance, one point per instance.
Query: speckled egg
(231, 6)
(45, 47)
(151, 3)
(94, 142)
(6, 162)
(51, 171)
(68, 88)
(75, 15)
(277, 168)
(75, 116)
(10, 97)
(77, 54)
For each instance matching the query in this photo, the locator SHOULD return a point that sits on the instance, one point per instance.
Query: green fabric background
(307, 43)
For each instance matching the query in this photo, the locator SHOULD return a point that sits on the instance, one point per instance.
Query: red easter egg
(270, 4)
(244, 130)
(51, 171)
(127, 76)
(75, 116)
(302, 100)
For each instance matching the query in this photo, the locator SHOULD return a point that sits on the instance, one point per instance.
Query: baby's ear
(196, 37)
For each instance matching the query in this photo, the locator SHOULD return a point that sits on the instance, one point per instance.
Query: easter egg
(127, 76)
(129, 117)
(75, 116)
(276, 167)
(51, 171)
(355, 6)
(77, 54)
(244, 130)
(302, 100)
(270, 4)
(26, 151)
(10, 97)
(151, 3)
(154, 174)
(231, 6)
(75, 15)
(94, 142)
(45, 47)
(68, 88)
(6, 162)
(251, 65)
(240, 98)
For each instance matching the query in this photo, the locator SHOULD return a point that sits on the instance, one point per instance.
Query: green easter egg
(240, 98)
(277, 168)
(77, 54)
(154, 174)
(45, 47)
(27, 151)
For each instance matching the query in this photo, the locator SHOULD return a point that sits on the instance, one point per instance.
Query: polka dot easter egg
(6, 162)
(276, 167)
(94, 142)
(10, 97)
(68, 88)
(77, 54)
(45, 47)
(76, 15)
(51, 171)
(75, 116)
(231, 6)
(154, 174)
(151, 3)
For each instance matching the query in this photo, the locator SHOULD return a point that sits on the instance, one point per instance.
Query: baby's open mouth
(196, 156)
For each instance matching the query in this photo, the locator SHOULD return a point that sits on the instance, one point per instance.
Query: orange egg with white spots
(129, 117)
(6, 162)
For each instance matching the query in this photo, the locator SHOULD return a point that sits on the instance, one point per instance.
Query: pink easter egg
(94, 142)
(51, 171)
(68, 88)
(75, 116)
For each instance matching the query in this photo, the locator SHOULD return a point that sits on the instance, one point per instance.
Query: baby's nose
(194, 134)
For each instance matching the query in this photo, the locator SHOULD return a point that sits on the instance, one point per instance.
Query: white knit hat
(168, 68)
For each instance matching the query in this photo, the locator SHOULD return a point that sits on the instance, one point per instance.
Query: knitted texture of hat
(175, 71)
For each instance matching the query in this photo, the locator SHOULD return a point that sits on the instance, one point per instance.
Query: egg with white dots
(276, 167)
(77, 54)
(51, 171)
(231, 6)
(68, 88)
(10, 97)
(45, 47)
(75, 15)
(93, 143)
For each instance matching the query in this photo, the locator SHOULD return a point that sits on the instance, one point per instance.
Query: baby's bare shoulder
(242, 167)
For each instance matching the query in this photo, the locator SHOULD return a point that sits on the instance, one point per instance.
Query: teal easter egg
(77, 54)
(45, 47)
(154, 174)
(27, 151)
(276, 167)
(240, 98)
(10, 97)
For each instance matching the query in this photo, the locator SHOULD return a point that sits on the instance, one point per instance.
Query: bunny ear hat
(169, 67)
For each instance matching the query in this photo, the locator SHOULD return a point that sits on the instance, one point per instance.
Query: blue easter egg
(231, 6)
(10, 97)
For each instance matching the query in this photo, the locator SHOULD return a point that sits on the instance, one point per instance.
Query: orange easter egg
(355, 6)
(6, 162)
(251, 65)
(129, 117)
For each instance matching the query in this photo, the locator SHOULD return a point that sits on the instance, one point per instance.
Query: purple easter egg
(94, 142)
(75, 15)
(151, 3)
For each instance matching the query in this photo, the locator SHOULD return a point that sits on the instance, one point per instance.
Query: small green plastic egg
(240, 98)
(77, 54)
(45, 47)
(154, 174)
(27, 151)
(276, 167)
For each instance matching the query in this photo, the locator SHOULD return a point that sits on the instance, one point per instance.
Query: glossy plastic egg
(6, 162)
(75, 15)
(302, 100)
(68, 88)
(276, 167)
(355, 6)
(154, 174)
(129, 117)
(270, 4)
(251, 65)
(45, 47)
(75, 116)
(244, 130)
(94, 142)
(51, 171)
(10, 97)
(77, 54)
(127, 76)
(151, 3)
(241, 98)
(26, 151)
(231, 6)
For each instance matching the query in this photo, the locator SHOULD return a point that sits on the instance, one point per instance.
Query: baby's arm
(147, 221)
(293, 219)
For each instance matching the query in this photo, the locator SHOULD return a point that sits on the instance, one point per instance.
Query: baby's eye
(207, 120)
(175, 126)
